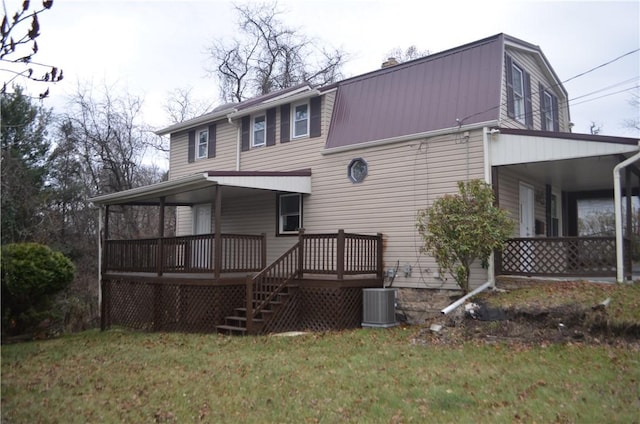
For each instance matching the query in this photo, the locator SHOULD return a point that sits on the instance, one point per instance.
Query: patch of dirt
(539, 326)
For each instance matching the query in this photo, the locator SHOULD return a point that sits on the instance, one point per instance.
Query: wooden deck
(316, 285)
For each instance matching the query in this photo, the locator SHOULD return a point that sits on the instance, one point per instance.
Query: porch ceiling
(200, 188)
(572, 162)
(584, 174)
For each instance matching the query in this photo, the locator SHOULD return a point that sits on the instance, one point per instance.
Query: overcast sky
(151, 47)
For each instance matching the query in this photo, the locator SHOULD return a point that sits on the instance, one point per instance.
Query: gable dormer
(533, 95)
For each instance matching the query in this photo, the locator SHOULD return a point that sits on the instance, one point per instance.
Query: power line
(601, 66)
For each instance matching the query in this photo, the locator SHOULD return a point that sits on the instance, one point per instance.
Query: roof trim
(277, 101)
(288, 181)
(408, 137)
(572, 136)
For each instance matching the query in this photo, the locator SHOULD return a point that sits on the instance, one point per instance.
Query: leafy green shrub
(458, 229)
(31, 275)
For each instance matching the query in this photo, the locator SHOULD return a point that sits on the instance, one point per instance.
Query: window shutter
(528, 109)
(271, 126)
(315, 125)
(192, 146)
(246, 133)
(556, 113)
(212, 141)
(285, 128)
(509, 72)
(543, 121)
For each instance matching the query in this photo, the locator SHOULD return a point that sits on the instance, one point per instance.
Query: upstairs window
(549, 120)
(203, 144)
(300, 121)
(518, 93)
(547, 110)
(258, 134)
(518, 82)
(289, 213)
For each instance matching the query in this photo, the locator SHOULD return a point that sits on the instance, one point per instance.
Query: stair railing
(268, 283)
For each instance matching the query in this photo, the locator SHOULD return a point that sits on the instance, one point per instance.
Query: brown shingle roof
(421, 95)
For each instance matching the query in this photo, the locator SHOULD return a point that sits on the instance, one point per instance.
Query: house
(351, 163)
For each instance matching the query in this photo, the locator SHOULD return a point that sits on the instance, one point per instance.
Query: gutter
(617, 196)
(460, 301)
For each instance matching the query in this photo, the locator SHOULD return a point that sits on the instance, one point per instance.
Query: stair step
(231, 329)
(243, 319)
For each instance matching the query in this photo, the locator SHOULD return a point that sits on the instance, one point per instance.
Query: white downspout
(617, 199)
(460, 301)
(238, 142)
(486, 133)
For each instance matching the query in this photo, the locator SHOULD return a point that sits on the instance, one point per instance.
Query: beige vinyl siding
(529, 62)
(402, 178)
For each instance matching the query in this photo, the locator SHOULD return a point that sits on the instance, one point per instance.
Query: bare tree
(110, 145)
(181, 105)
(19, 46)
(634, 123)
(410, 53)
(269, 56)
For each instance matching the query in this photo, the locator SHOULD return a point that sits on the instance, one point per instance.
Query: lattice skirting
(168, 307)
(197, 308)
(327, 308)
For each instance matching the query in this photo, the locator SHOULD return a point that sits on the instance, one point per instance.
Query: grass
(365, 375)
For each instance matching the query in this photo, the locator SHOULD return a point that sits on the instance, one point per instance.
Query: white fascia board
(409, 137)
(153, 191)
(511, 149)
(273, 102)
(290, 184)
(208, 117)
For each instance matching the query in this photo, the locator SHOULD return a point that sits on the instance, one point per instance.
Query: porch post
(249, 303)
(340, 259)
(300, 252)
(161, 237)
(217, 237)
(379, 257)
(629, 218)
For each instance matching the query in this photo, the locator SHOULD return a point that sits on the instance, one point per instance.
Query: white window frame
(202, 141)
(518, 97)
(547, 110)
(294, 121)
(281, 215)
(263, 130)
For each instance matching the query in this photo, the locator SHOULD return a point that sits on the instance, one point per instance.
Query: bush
(31, 275)
(458, 229)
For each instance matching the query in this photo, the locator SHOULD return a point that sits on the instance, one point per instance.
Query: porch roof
(199, 188)
(574, 162)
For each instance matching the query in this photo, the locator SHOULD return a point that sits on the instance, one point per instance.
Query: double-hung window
(203, 144)
(289, 213)
(547, 111)
(518, 93)
(300, 121)
(258, 134)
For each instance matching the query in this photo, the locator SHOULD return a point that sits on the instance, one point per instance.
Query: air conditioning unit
(379, 308)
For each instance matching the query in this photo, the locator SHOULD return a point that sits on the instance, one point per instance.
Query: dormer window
(258, 133)
(518, 93)
(300, 120)
(518, 82)
(203, 144)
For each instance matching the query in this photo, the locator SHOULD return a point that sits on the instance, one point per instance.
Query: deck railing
(561, 257)
(187, 254)
(340, 254)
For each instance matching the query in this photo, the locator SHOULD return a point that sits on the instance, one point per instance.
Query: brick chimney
(391, 61)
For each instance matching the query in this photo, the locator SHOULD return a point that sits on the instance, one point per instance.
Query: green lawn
(366, 375)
